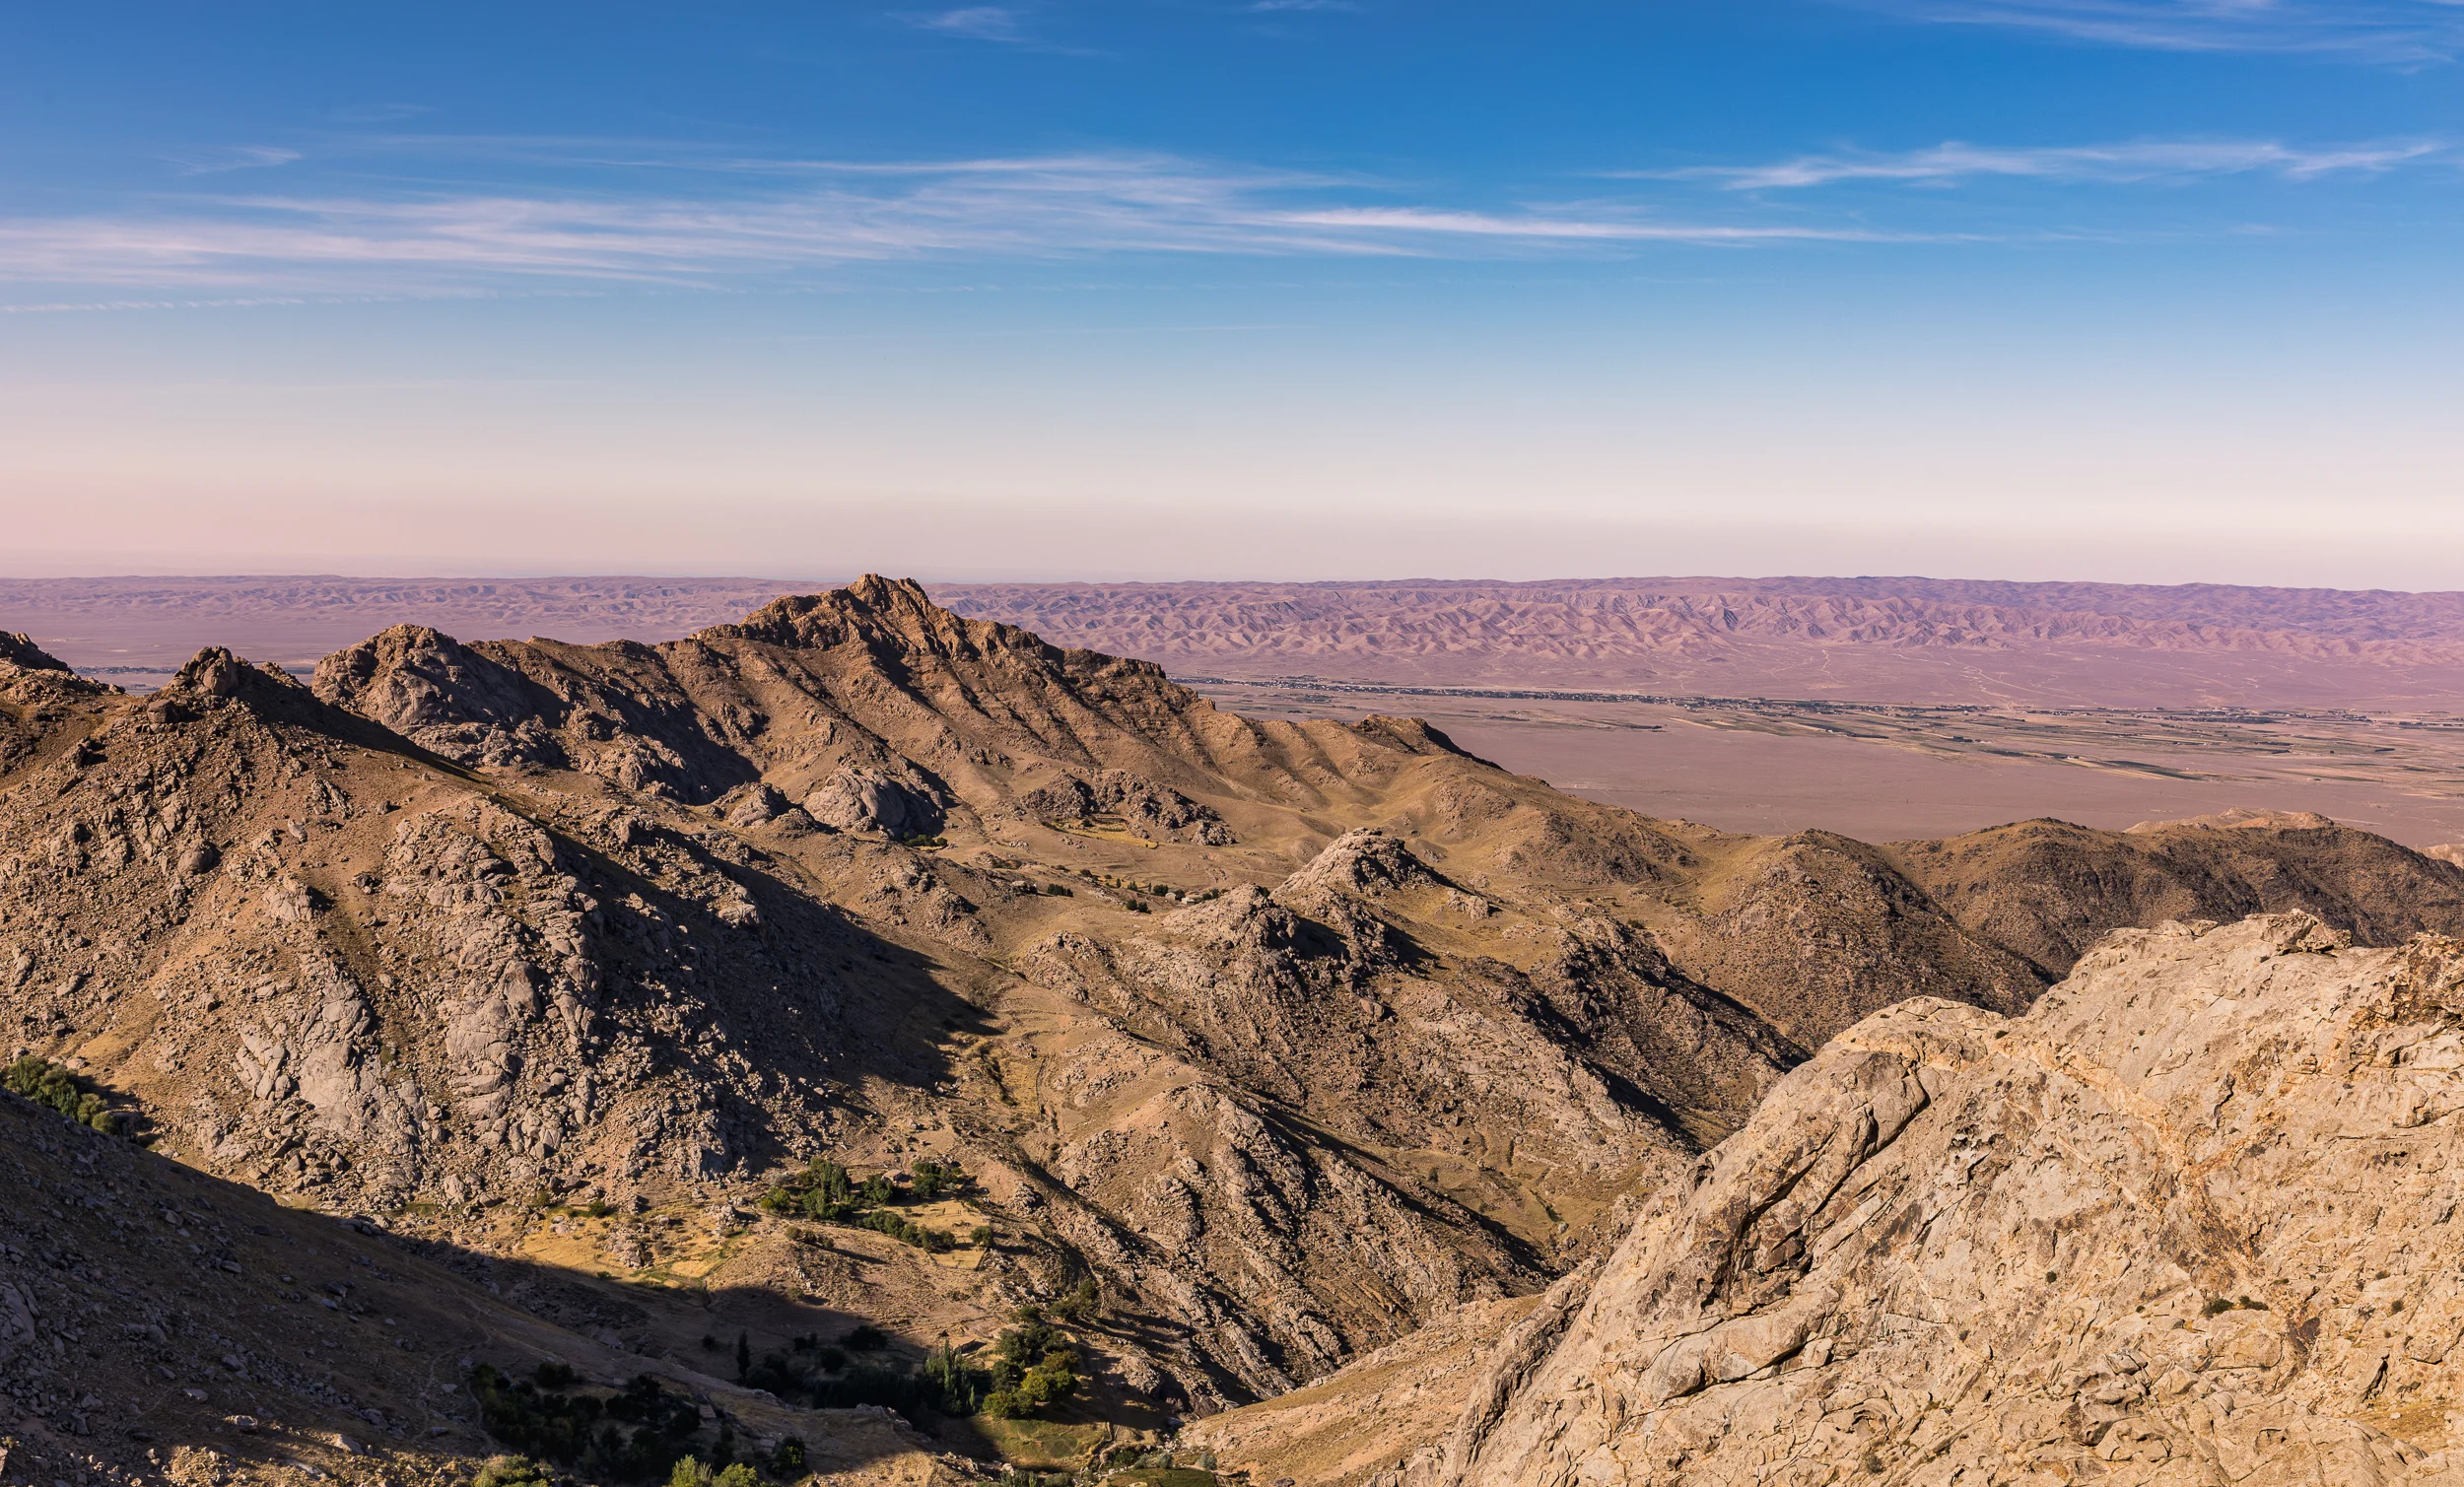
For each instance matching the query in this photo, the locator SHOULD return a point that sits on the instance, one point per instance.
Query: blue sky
(2144, 289)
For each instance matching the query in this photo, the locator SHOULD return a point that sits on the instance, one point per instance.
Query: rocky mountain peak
(214, 672)
(1362, 861)
(893, 617)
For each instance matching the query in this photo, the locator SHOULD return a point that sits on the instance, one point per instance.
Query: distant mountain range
(1873, 639)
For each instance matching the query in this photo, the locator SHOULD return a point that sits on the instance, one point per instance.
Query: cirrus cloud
(2402, 32)
(826, 213)
(1953, 163)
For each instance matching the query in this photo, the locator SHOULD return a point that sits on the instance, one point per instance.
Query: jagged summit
(896, 617)
(872, 678)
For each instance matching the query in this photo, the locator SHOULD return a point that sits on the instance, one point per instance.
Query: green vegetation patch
(1034, 1367)
(637, 1435)
(829, 1194)
(1030, 1368)
(49, 1084)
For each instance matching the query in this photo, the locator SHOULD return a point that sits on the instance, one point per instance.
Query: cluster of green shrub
(827, 1192)
(786, 1463)
(821, 1376)
(920, 840)
(1031, 1367)
(47, 1082)
(513, 1472)
(1034, 1366)
(641, 1434)
(636, 1436)
(907, 1231)
(930, 1180)
(1081, 1303)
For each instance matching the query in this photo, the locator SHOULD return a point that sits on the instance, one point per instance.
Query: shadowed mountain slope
(157, 1324)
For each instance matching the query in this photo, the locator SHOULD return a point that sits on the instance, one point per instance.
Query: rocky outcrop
(2188, 1220)
(857, 799)
(19, 650)
(1119, 797)
(431, 689)
(1367, 861)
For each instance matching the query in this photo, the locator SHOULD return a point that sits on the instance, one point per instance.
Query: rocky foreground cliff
(2189, 1220)
(1259, 1044)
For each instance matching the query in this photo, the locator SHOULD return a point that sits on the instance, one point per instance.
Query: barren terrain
(2184, 1224)
(1261, 1043)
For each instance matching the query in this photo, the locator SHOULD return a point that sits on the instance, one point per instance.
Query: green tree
(510, 1472)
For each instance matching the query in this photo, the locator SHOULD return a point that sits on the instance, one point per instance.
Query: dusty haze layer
(1881, 708)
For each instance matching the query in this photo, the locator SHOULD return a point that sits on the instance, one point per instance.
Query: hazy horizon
(1159, 580)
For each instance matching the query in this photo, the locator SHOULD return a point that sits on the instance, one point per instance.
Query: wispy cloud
(2406, 33)
(1953, 163)
(1004, 25)
(217, 160)
(1542, 228)
(829, 213)
(983, 23)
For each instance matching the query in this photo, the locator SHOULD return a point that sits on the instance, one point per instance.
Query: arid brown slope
(1335, 1029)
(2186, 1222)
(157, 1325)
(2046, 890)
(334, 965)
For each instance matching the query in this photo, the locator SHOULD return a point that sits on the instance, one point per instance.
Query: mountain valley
(859, 970)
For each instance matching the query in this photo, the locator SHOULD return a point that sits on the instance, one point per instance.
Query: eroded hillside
(1278, 1039)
